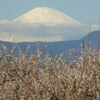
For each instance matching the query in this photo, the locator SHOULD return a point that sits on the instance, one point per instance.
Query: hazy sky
(84, 11)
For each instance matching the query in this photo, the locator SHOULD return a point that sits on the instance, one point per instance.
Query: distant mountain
(56, 48)
(46, 24)
(46, 16)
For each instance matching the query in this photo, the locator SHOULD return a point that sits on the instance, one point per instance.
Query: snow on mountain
(46, 16)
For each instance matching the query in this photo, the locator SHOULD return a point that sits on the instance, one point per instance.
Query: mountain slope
(92, 39)
(93, 36)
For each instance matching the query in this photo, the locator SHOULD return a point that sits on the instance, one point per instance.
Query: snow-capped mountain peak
(46, 16)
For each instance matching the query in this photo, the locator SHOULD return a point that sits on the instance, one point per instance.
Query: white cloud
(4, 21)
(37, 32)
(95, 27)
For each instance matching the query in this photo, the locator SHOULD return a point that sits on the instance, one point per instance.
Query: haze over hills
(55, 48)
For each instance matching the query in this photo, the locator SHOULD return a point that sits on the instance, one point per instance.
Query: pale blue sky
(84, 11)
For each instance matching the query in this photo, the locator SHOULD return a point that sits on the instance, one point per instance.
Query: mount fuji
(46, 16)
(42, 24)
